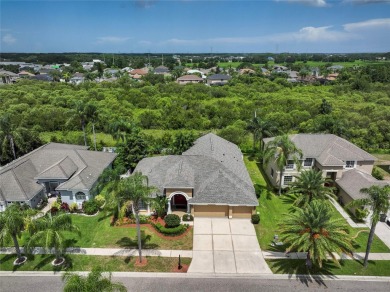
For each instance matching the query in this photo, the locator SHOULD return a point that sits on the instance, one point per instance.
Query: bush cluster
(170, 231)
(100, 200)
(73, 207)
(255, 218)
(65, 207)
(187, 217)
(90, 207)
(172, 220)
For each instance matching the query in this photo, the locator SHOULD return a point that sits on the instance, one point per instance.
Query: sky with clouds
(194, 26)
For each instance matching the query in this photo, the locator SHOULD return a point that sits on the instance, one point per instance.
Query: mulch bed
(151, 228)
(184, 269)
(141, 264)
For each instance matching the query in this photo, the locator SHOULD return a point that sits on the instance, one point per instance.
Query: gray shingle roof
(216, 176)
(328, 149)
(81, 168)
(219, 77)
(354, 180)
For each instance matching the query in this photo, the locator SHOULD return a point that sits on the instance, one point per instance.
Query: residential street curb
(212, 276)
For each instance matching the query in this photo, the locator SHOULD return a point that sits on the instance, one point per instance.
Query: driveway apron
(226, 246)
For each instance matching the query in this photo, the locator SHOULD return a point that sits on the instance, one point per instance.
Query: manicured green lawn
(348, 267)
(272, 209)
(97, 232)
(86, 263)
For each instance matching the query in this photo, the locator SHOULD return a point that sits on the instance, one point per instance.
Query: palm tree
(135, 188)
(80, 114)
(48, 231)
(283, 149)
(92, 114)
(120, 129)
(12, 223)
(313, 230)
(160, 203)
(310, 185)
(11, 136)
(95, 281)
(66, 76)
(378, 201)
(260, 129)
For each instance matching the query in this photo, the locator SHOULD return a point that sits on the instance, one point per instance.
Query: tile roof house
(218, 79)
(348, 166)
(209, 179)
(189, 79)
(70, 170)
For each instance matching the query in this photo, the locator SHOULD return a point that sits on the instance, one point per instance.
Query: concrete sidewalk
(302, 255)
(110, 252)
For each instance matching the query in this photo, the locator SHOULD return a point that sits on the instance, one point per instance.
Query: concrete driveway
(224, 245)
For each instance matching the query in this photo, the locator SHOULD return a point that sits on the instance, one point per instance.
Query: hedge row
(170, 231)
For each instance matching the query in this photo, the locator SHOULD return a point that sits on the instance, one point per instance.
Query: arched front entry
(178, 201)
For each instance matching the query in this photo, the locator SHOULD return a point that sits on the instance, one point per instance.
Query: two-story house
(347, 166)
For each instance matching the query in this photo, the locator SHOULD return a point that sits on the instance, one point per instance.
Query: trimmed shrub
(376, 172)
(59, 200)
(90, 207)
(361, 214)
(73, 207)
(187, 217)
(255, 218)
(143, 219)
(56, 205)
(65, 207)
(172, 220)
(170, 231)
(100, 200)
(53, 210)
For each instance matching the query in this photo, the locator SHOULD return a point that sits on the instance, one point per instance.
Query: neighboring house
(7, 77)
(193, 71)
(347, 166)
(161, 70)
(77, 78)
(25, 74)
(138, 73)
(246, 71)
(189, 79)
(42, 77)
(70, 170)
(208, 180)
(218, 79)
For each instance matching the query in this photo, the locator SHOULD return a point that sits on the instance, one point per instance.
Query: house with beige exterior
(69, 170)
(185, 79)
(208, 180)
(347, 166)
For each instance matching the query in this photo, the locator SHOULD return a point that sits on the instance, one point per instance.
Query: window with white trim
(142, 205)
(290, 164)
(349, 164)
(80, 196)
(287, 179)
(308, 162)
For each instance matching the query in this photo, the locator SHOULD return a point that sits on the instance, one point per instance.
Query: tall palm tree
(92, 115)
(79, 113)
(378, 201)
(11, 135)
(120, 129)
(310, 185)
(12, 223)
(260, 129)
(135, 188)
(313, 230)
(47, 232)
(282, 149)
(94, 281)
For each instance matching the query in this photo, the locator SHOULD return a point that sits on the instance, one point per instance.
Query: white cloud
(9, 39)
(112, 40)
(315, 34)
(368, 24)
(315, 3)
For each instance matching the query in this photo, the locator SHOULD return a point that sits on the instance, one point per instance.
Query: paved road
(137, 282)
(224, 245)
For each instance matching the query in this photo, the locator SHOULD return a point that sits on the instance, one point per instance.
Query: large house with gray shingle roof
(348, 166)
(208, 180)
(69, 170)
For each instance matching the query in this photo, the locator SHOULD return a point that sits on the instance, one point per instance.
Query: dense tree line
(360, 113)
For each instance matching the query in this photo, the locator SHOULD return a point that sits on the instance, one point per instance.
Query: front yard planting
(96, 231)
(86, 263)
(272, 209)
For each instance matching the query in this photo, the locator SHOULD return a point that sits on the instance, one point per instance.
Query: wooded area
(356, 107)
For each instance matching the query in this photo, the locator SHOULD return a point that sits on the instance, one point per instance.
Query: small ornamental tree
(172, 220)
